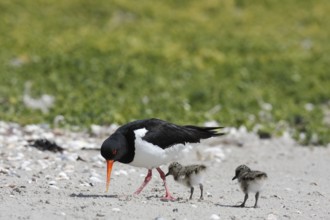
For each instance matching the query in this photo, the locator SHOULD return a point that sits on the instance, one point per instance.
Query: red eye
(114, 152)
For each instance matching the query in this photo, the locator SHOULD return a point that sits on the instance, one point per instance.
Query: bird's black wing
(165, 134)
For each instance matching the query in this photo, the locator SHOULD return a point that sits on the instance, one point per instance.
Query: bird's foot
(255, 206)
(168, 198)
(242, 205)
(136, 193)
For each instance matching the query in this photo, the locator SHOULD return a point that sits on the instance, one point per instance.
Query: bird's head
(240, 170)
(174, 168)
(113, 149)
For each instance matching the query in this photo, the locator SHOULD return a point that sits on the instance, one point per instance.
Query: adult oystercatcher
(150, 143)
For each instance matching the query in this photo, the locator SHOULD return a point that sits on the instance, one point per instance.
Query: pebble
(85, 184)
(271, 216)
(95, 179)
(48, 177)
(116, 209)
(62, 176)
(70, 157)
(69, 168)
(17, 190)
(25, 165)
(288, 189)
(54, 187)
(120, 172)
(44, 164)
(3, 170)
(18, 156)
(52, 182)
(214, 217)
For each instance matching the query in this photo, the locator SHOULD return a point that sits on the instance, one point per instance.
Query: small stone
(52, 182)
(276, 196)
(48, 177)
(3, 171)
(116, 209)
(95, 179)
(214, 217)
(62, 176)
(271, 217)
(54, 187)
(120, 172)
(17, 190)
(85, 184)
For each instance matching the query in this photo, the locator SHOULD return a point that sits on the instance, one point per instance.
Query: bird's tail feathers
(211, 131)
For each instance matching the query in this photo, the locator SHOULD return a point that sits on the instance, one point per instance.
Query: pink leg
(146, 181)
(168, 194)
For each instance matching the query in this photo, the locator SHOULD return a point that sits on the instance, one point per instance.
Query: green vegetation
(185, 61)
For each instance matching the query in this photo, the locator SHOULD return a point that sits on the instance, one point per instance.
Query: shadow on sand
(232, 206)
(81, 195)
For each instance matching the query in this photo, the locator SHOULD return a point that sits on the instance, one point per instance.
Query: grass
(239, 63)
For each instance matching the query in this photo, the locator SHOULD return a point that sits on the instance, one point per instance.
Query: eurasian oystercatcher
(151, 143)
(250, 181)
(190, 176)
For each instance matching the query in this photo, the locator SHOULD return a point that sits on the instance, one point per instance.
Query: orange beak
(109, 169)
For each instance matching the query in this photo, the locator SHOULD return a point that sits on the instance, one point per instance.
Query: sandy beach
(38, 184)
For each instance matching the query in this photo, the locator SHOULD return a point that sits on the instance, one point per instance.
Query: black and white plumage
(250, 181)
(190, 176)
(151, 143)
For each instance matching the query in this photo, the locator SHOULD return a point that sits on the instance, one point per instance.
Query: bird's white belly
(196, 179)
(192, 180)
(151, 156)
(256, 185)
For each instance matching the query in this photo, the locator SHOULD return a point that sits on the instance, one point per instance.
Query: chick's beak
(109, 169)
(167, 174)
(234, 177)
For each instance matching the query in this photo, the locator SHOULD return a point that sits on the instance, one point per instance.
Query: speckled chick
(190, 176)
(250, 181)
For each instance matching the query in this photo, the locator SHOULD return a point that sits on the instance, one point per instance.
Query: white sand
(45, 185)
